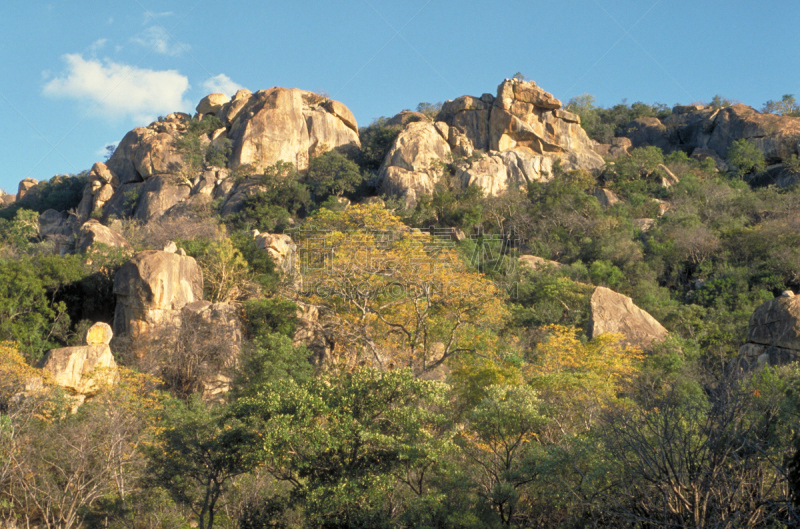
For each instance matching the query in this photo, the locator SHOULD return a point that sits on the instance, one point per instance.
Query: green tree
(332, 173)
(501, 440)
(745, 158)
(348, 444)
(197, 452)
(787, 106)
(376, 140)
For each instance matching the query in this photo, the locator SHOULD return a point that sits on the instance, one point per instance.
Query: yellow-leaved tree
(401, 297)
(580, 379)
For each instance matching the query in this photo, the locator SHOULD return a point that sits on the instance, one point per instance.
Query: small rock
(171, 247)
(99, 334)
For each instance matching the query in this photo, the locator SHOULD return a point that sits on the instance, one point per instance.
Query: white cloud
(149, 15)
(157, 39)
(97, 45)
(120, 90)
(221, 84)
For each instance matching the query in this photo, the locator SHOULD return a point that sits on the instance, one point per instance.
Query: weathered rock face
(310, 332)
(52, 222)
(281, 248)
(606, 197)
(151, 290)
(523, 131)
(82, 370)
(615, 313)
(774, 333)
(7, 200)
(287, 125)
(93, 233)
(533, 262)
(158, 195)
(618, 147)
(411, 166)
(25, 186)
(146, 152)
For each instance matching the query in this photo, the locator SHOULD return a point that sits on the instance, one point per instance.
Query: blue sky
(77, 76)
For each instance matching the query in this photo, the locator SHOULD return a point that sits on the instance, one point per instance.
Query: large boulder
(146, 152)
(93, 233)
(615, 313)
(25, 187)
(158, 195)
(212, 104)
(151, 290)
(81, 370)
(281, 248)
(287, 125)
(413, 165)
(501, 170)
(773, 335)
(468, 116)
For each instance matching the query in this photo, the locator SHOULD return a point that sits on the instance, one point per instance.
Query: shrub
(745, 158)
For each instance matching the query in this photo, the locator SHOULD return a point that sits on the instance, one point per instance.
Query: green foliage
(60, 193)
(376, 140)
(31, 311)
(720, 102)
(431, 110)
(263, 317)
(792, 163)
(270, 210)
(332, 174)
(198, 451)
(745, 158)
(218, 152)
(262, 267)
(267, 359)
(787, 106)
(602, 124)
(448, 208)
(345, 442)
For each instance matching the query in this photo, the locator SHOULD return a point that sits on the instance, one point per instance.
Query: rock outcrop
(705, 132)
(93, 233)
(149, 151)
(281, 248)
(534, 263)
(616, 313)
(289, 125)
(151, 290)
(509, 140)
(81, 370)
(413, 164)
(773, 336)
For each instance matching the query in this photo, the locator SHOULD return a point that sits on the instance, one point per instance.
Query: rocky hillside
(268, 314)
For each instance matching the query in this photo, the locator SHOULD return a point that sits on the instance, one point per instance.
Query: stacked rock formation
(516, 137)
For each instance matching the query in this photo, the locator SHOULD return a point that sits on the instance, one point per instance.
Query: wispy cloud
(157, 39)
(97, 45)
(120, 90)
(149, 15)
(221, 84)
